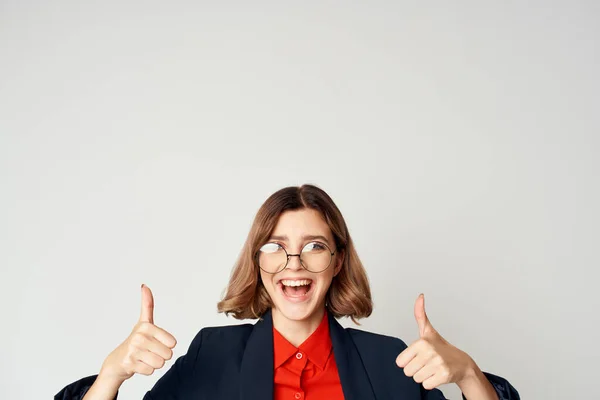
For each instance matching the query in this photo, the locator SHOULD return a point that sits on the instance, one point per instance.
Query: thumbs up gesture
(431, 360)
(144, 351)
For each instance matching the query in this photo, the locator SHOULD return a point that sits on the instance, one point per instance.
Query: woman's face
(296, 293)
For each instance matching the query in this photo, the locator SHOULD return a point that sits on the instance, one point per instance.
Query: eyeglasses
(314, 257)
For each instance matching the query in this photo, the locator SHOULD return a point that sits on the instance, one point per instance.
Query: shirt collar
(317, 347)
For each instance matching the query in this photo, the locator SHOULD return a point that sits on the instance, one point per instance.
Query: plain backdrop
(459, 139)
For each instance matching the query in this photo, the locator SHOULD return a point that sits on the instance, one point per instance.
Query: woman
(298, 271)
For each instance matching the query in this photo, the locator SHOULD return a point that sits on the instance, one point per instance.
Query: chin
(295, 313)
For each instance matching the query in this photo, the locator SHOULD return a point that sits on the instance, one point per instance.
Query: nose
(294, 262)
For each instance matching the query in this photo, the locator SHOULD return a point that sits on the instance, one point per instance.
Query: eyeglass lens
(315, 257)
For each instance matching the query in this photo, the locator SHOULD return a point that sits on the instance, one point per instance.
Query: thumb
(425, 326)
(147, 313)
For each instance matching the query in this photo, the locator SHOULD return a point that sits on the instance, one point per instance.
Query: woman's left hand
(431, 360)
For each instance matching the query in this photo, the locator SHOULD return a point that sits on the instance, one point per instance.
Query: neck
(297, 331)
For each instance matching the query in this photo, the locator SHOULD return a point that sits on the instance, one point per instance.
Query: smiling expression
(298, 294)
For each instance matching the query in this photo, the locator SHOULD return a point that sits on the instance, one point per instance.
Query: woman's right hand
(144, 351)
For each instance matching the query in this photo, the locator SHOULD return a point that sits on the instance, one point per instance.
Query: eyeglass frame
(295, 255)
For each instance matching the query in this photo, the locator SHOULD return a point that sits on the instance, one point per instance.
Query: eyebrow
(304, 237)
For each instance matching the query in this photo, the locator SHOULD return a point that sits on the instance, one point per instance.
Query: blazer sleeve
(504, 390)
(77, 389)
(174, 382)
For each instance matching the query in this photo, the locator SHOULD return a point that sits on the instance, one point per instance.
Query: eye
(314, 246)
(270, 248)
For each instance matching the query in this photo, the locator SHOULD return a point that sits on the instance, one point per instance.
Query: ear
(339, 262)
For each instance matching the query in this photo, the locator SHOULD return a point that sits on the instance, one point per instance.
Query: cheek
(267, 281)
(325, 281)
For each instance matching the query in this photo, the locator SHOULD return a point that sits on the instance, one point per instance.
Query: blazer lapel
(354, 379)
(256, 371)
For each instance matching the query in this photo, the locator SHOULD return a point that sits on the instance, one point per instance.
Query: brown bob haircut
(349, 294)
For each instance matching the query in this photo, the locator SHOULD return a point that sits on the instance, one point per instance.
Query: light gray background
(459, 139)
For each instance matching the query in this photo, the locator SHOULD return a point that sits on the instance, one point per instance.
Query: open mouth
(295, 289)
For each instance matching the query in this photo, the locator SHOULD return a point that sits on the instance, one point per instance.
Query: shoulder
(378, 354)
(226, 331)
(376, 342)
(217, 346)
(227, 335)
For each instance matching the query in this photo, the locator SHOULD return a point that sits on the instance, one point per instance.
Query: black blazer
(236, 363)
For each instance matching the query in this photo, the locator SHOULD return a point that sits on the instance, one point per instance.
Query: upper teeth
(302, 282)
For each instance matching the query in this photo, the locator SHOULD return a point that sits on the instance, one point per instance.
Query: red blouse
(309, 371)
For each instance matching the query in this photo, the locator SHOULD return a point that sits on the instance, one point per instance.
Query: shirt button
(298, 395)
(298, 356)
